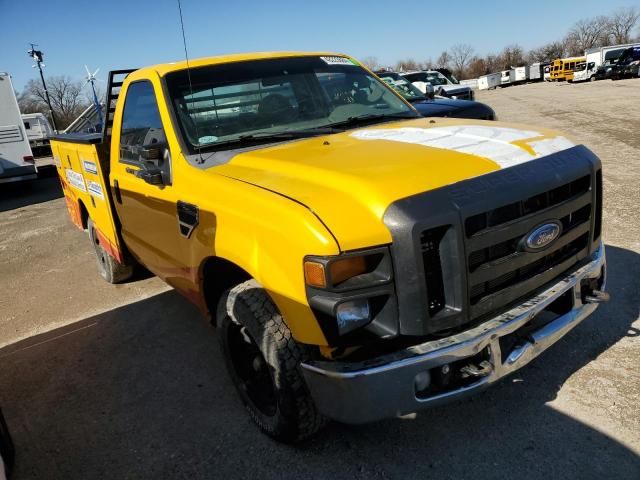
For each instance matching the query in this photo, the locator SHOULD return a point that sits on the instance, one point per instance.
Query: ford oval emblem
(542, 236)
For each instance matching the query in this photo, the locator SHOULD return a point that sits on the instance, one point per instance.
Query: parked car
(7, 452)
(442, 85)
(432, 106)
(359, 260)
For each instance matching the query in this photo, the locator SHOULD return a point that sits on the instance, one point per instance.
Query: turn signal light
(314, 274)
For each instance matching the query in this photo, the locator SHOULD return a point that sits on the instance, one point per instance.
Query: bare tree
(621, 24)
(511, 56)
(406, 65)
(460, 56)
(443, 60)
(427, 64)
(547, 52)
(477, 67)
(371, 63)
(66, 97)
(587, 33)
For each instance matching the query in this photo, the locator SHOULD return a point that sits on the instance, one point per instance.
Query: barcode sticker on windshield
(337, 61)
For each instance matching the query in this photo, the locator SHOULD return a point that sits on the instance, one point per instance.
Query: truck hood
(349, 179)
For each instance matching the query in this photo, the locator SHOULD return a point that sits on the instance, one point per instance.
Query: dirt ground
(102, 381)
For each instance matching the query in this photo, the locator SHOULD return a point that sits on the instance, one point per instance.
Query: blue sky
(123, 34)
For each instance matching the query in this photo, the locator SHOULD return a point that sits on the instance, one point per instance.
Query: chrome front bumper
(386, 386)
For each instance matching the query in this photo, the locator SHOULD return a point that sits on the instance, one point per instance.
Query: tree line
(463, 61)
(68, 98)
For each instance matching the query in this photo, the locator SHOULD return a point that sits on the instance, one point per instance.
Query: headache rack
(116, 78)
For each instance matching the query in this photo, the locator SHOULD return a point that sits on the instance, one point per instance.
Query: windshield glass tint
(403, 86)
(229, 101)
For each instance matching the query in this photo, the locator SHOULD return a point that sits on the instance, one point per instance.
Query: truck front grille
(460, 252)
(497, 269)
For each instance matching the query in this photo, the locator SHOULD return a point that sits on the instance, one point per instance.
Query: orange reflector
(347, 268)
(314, 274)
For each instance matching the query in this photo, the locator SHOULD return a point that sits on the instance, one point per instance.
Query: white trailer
(38, 131)
(520, 74)
(535, 72)
(490, 81)
(506, 77)
(16, 159)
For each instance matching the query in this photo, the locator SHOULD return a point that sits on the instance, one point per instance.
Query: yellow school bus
(562, 68)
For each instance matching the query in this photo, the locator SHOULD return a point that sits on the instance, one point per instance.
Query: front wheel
(263, 361)
(108, 267)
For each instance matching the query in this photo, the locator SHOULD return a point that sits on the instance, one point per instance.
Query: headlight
(351, 290)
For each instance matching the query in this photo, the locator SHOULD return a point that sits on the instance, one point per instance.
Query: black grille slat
(534, 278)
(519, 227)
(491, 270)
(497, 267)
(533, 204)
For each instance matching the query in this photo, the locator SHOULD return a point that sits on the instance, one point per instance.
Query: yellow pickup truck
(359, 261)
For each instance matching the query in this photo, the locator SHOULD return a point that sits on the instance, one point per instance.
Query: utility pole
(37, 57)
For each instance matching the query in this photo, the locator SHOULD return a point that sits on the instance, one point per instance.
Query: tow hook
(481, 370)
(597, 296)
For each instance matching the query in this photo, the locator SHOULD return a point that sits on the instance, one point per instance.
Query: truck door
(141, 182)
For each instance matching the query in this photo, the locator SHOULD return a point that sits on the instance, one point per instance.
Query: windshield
(262, 98)
(434, 78)
(403, 86)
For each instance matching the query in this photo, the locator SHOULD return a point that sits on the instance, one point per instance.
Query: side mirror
(430, 92)
(150, 174)
(152, 151)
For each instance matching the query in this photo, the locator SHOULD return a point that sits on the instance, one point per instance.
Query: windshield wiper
(265, 137)
(285, 134)
(373, 118)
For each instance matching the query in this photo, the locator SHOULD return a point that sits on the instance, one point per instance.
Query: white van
(16, 158)
(38, 131)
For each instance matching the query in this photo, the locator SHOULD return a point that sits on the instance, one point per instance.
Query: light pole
(37, 57)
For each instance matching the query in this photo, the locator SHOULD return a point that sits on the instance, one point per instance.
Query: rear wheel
(108, 267)
(263, 361)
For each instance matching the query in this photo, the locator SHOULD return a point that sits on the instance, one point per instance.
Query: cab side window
(141, 124)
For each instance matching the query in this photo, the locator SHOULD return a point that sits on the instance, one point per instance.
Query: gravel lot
(101, 381)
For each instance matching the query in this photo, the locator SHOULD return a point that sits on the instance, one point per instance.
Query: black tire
(108, 267)
(7, 451)
(263, 361)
